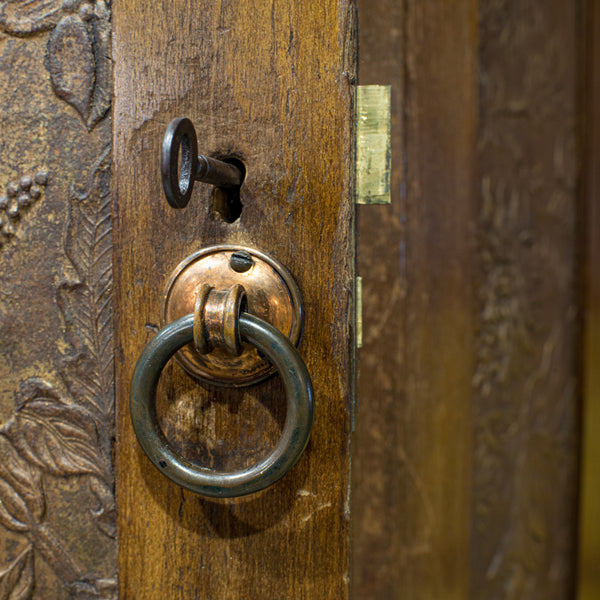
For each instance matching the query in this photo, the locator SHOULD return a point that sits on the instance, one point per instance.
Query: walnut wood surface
(469, 368)
(271, 84)
(526, 384)
(412, 487)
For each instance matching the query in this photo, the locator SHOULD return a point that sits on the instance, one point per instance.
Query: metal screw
(241, 261)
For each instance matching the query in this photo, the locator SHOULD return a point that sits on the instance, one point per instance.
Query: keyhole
(226, 201)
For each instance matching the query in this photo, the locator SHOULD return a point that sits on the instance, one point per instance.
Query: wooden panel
(57, 510)
(589, 527)
(269, 83)
(526, 380)
(413, 448)
(511, 100)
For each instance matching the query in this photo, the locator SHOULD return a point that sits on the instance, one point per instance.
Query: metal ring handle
(296, 431)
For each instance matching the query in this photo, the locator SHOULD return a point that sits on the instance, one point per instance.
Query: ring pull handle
(181, 166)
(218, 321)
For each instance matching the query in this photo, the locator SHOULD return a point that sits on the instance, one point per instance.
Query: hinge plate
(373, 144)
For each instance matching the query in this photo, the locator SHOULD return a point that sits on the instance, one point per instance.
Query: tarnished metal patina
(273, 345)
(216, 319)
(271, 295)
(181, 165)
(373, 144)
(207, 304)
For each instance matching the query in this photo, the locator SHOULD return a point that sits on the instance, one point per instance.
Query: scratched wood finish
(515, 432)
(588, 578)
(526, 383)
(271, 84)
(412, 483)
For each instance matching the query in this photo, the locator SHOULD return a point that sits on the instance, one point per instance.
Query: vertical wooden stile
(271, 84)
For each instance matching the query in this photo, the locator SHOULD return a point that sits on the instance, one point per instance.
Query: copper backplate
(272, 295)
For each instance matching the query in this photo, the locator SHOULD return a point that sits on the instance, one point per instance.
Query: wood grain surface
(526, 384)
(412, 483)
(271, 84)
(467, 437)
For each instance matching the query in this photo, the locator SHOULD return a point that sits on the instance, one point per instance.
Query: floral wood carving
(78, 48)
(16, 581)
(18, 198)
(66, 430)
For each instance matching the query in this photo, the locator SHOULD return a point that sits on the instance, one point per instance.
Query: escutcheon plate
(272, 295)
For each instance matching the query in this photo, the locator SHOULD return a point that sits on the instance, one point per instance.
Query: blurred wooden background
(480, 304)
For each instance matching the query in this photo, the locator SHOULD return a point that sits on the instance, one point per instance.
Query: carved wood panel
(57, 505)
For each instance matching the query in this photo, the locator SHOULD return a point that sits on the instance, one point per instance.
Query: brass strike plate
(272, 295)
(373, 144)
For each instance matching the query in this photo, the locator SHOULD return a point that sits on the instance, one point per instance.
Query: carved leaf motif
(21, 491)
(72, 65)
(106, 513)
(16, 581)
(86, 302)
(21, 17)
(59, 438)
(100, 589)
(100, 32)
